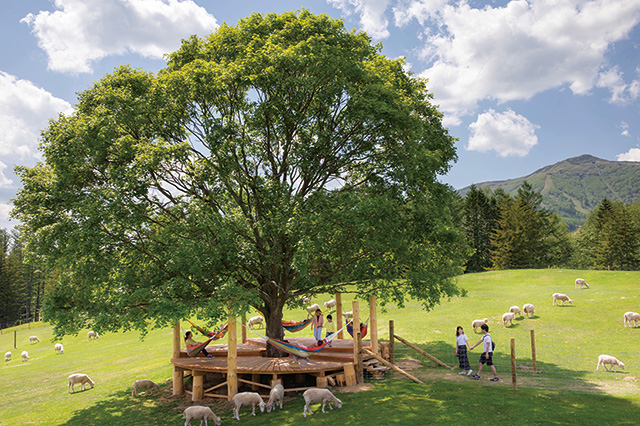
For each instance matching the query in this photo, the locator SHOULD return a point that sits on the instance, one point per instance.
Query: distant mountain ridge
(573, 187)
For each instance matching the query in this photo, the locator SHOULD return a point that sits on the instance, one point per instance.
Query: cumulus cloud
(508, 134)
(5, 209)
(632, 155)
(621, 92)
(80, 32)
(421, 10)
(372, 15)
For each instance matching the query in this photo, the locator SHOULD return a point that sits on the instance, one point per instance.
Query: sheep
(34, 339)
(25, 356)
(247, 398)
(348, 314)
(528, 309)
(81, 379)
(515, 310)
(611, 360)
(580, 283)
(508, 318)
(477, 323)
(312, 309)
(146, 385)
(305, 299)
(319, 395)
(562, 298)
(631, 316)
(275, 396)
(58, 348)
(202, 413)
(92, 335)
(257, 320)
(7, 356)
(330, 304)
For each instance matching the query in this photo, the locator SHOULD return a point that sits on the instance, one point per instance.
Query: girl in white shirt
(462, 343)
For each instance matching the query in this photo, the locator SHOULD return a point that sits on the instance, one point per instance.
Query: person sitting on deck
(189, 341)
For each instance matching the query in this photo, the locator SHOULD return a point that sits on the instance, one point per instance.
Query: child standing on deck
(330, 327)
(317, 322)
(462, 343)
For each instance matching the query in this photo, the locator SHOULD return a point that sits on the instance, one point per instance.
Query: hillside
(571, 188)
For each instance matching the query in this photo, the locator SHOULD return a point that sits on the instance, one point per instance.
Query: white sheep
(144, 385)
(257, 320)
(313, 308)
(611, 360)
(528, 309)
(330, 304)
(275, 396)
(319, 395)
(305, 299)
(25, 356)
(516, 310)
(81, 379)
(508, 318)
(92, 335)
(247, 398)
(631, 316)
(34, 339)
(562, 298)
(58, 348)
(580, 283)
(477, 323)
(348, 314)
(202, 413)
(7, 356)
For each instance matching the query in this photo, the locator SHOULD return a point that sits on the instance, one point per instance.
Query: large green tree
(479, 220)
(280, 157)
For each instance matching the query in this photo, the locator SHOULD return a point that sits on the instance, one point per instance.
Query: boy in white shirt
(487, 353)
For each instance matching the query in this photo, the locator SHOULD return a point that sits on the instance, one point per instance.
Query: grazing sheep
(58, 348)
(92, 335)
(580, 283)
(330, 304)
(25, 356)
(7, 356)
(275, 396)
(508, 318)
(611, 360)
(631, 316)
(202, 413)
(34, 339)
(312, 309)
(319, 395)
(477, 323)
(257, 320)
(562, 298)
(144, 385)
(81, 379)
(348, 314)
(305, 299)
(247, 398)
(515, 310)
(528, 309)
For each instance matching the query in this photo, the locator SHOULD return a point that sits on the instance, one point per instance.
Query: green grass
(568, 341)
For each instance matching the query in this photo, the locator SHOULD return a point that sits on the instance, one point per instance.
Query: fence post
(392, 343)
(359, 367)
(533, 352)
(373, 324)
(513, 363)
(339, 319)
(15, 339)
(356, 327)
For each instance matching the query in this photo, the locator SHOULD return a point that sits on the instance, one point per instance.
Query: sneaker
(461, 373)
(475, 376)
(469, 373)
(495, 379)
(210, 356)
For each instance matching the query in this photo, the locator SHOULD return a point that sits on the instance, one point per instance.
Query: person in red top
(317, 321)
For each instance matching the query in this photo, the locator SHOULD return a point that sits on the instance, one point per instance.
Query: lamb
(312, 309)
(25, 356)
(81, 379)
(611, 360)
(247, 398)
(477, 323)
(631, 316)
(580, 283)
(276, 395)
(515, 310)
(348, 314)
(257, 320)
(7, 356)
(58, 348)
(34, 339)
(508, 318)
(330, 304)
(319, 395)
(92, 335)
(144, 384)
(562, 298)
(528, 309)
(305, 299)
(202, 413)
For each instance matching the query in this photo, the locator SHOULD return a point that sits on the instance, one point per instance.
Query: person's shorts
(328, 334)
(488, 359)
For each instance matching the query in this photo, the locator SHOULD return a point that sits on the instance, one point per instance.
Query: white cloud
(5, 209)
(508, 134)
(524, 48)
(621, 92)
(420, 10)
(632, 155)
(82, 31)
(371, 13)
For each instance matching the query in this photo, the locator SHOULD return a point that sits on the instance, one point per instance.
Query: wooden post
(339, 320)
(356, 327)
(244, 328)
(392, 344)
(15, 339)
(232, 358)
(178, 374)
(513, 364)
(417, 349)
(359, 368)
(198, 385)
(533, 351)
(393, 367)
(373, 324)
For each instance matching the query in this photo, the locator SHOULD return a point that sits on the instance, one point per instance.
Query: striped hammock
(196, 349)
(293, 326)
(297, 350)
(363, 328)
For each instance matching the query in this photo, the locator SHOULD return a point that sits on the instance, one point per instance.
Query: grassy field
(569, 390)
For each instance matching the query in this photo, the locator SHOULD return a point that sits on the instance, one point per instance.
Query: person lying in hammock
(189, 341)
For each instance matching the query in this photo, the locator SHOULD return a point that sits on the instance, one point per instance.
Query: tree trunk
(274, 330)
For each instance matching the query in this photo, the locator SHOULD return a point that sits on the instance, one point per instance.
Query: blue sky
(522, 84)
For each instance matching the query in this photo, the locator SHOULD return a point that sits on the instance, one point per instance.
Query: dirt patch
(409, 363)
(355, 388)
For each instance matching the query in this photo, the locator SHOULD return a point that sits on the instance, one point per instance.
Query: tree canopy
(279, 157)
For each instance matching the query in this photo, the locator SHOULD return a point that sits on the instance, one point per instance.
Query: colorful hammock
(196, 349)
(293, 326)
(363, 328)
(297, 350)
